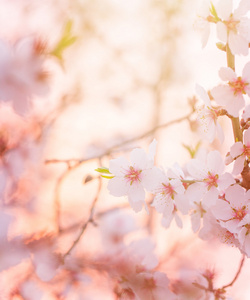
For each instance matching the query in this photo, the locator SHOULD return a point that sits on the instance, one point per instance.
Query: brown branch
(85, 225)
(237, 274)
(74, 163)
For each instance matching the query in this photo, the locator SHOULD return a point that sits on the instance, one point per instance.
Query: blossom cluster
(48, 260)
(216, 200)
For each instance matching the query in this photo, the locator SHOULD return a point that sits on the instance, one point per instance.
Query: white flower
(132, 177)
(233, 27)
(207, 117)
(231, 95)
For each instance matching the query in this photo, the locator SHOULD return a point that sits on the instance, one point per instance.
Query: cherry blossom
(208, 116)
(231, 210)
(114, 227)
(202, 24)
(232, 25)
(22, 72)
(131, 178)
(243, 234)
(153, 286)
(210, 177)
(240, 152)
(169, 197)
(233, 28)
(230, 95)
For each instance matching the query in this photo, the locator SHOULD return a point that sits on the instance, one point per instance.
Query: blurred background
(132, 67)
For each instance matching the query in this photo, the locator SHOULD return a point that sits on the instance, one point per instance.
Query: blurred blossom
(22, 72)
(114, 227)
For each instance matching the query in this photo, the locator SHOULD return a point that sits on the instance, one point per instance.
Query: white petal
(166, 221)
(224, 9)
(221, 31)
(152, 178)
(235, 104)
(182, 203)
(221, 93)
(238, 165)
(246, 73)
(196, 222)
(237, 149)
(197, 168)
(136, 196)
(203, 94)
(220, 132)
(225, 181)
(237, 44)
(118, 166)
(215, 162)
(117, 187)
(247, 137)
(227, 74)
(139, 159)
(210, 197)
(152, 150)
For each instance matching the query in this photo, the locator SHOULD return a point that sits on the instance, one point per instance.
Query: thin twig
(237, 274)
(76, 162)
(90, 220)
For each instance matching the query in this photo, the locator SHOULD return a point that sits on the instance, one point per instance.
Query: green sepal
(221, 46)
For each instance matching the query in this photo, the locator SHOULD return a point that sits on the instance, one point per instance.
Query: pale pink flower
(231, 210)
(45, 260)
(115, 226)
(166, 220)
(207, 117)
(230, 95)
(232, 25)
(22, 73)
(246, 113)
(202, 24)
(209, 176)
(213, 229)
(169, 197)
(153, 286)
(132, 177)
(13, 251)
(240, 151)
(244, 234)
(233, 28)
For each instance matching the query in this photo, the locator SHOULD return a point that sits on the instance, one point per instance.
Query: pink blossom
(201, 24)
(243, 234)
(209, 176)
(208, 117)
(240, 151)
(246, 113)
(232, 25)
(230, 95)
(233, 28)
(131, 178)
(152, 286)
(22, 73)
(114, 227)
(169, 197)
(231, 210)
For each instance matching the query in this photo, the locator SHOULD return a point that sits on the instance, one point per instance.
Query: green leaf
(192, 151)
(66, 41)
(108, 177)
(214, 14)
(103, 170)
